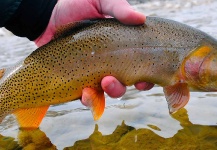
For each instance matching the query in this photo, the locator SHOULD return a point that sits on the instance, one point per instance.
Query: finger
(121, 10)
(144, 86)
(113, 87)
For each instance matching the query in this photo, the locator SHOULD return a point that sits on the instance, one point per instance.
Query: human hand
(67, 11)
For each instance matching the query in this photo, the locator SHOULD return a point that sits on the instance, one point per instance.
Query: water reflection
(8, 143)
(34, 140)
(191, 136)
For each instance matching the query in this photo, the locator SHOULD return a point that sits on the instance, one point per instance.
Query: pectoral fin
(30, 117)
(95, 100)
(177, 96)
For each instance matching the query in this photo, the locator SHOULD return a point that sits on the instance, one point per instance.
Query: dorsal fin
(2, 72)
(73, 27)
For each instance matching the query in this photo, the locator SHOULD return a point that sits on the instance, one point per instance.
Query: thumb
(121, 10)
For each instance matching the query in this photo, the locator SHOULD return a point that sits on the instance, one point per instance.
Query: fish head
(208, 72)
(200, 69)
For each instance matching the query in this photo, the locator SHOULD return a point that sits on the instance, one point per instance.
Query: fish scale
(83, 53)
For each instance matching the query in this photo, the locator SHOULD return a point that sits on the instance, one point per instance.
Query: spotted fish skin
(81, 56)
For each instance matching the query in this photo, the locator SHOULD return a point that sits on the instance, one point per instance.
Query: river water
(147, 123)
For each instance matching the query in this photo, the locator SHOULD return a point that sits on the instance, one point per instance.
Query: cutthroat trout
(170, 54)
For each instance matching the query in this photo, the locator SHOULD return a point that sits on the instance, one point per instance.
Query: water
(147, 123)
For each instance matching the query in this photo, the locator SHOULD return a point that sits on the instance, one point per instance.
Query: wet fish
(173, 55)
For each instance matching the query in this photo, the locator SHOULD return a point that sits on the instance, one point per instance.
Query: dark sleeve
(30, 18)
(7, 9)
